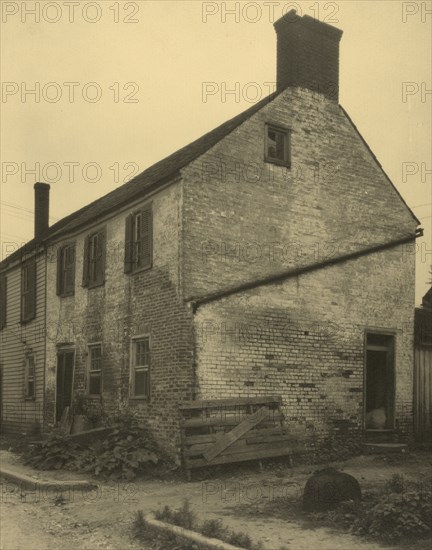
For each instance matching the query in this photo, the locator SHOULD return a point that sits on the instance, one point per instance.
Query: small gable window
(139, 240)
(66, 270)
(28, 291)
(94, 259)
(277, 145)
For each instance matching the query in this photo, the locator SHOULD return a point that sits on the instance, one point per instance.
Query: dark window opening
(277, 146)
(64, 383)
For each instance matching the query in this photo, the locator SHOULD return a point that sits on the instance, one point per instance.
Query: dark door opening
(1, 397)
(380, 382)
(65, 366)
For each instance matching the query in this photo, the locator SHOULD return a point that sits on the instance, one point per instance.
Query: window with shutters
(139, 240)
(140, 372)
(30, 376)
(95, 369)
(94, 259)
(28, 291)
(66, 270)
(277, 146)
(3, 298)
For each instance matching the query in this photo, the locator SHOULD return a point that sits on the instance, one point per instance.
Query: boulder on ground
(326, 488)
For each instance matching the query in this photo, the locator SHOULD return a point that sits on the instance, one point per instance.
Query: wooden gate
(222, 431)
(423, 393)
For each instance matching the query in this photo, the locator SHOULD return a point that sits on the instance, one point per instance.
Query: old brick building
(267, 257)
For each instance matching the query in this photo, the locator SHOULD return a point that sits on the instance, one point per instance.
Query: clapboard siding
(18, 413)
(423, 393)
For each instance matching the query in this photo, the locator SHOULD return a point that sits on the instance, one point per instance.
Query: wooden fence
(423, 393)
(222, 431)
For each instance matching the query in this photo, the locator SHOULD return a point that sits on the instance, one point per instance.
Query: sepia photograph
(216, 275)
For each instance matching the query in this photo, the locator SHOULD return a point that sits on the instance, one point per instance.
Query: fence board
(423, 393)
(232, 430)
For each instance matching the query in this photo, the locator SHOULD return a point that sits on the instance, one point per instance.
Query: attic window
(277, 145)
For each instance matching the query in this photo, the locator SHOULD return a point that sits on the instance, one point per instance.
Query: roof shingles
(154, 176)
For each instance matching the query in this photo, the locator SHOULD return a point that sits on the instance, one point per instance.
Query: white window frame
(28, 378)
(90, 370)
(141, 368)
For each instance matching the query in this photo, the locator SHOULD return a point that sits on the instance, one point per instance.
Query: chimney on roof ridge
(307, 54)
(41, 218)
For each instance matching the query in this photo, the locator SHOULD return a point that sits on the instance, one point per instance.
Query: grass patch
(397, 512)
(154, 539)
(186, 518)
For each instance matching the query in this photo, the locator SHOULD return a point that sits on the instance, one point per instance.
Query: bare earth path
(102, 518)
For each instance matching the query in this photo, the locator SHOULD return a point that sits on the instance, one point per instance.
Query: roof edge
(279, 277)
(378, 163)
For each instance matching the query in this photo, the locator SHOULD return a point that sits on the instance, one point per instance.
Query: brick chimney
(41, 220)
(307, 54)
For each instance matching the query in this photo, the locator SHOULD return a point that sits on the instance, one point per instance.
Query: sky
(119, 85)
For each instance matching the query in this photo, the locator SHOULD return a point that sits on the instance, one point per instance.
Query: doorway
(380, 382)
(64, 388)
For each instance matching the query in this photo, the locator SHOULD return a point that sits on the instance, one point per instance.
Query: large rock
(327, 488)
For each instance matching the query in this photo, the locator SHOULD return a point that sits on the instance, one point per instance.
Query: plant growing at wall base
(127, 451)
(53, 453)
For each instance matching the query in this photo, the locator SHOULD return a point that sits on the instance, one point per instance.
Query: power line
(16, 206)
(26, 210)
(420, 205)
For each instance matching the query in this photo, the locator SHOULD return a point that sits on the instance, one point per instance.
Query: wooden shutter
(59, 270)
(72, 269)
(30, 294)
(101, 256)
(147, 237)
(3, 298)
(86, 261)
(128, 257)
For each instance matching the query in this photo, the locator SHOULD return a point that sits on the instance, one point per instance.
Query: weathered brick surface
(234, 219)
(146, 303)
(308, 55)
(246, 219)
(304, 339)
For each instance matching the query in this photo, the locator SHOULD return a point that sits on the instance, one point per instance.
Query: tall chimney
(307, 54)
(41, 220)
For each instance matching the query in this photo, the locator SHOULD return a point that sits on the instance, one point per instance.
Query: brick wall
(245, 219)
(145, 303)
(308, 54)
(304, 339)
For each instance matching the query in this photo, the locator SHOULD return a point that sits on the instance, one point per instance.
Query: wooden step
(383, 448)
(381, 436)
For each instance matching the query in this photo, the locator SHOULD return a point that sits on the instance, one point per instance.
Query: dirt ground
(102, 518)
